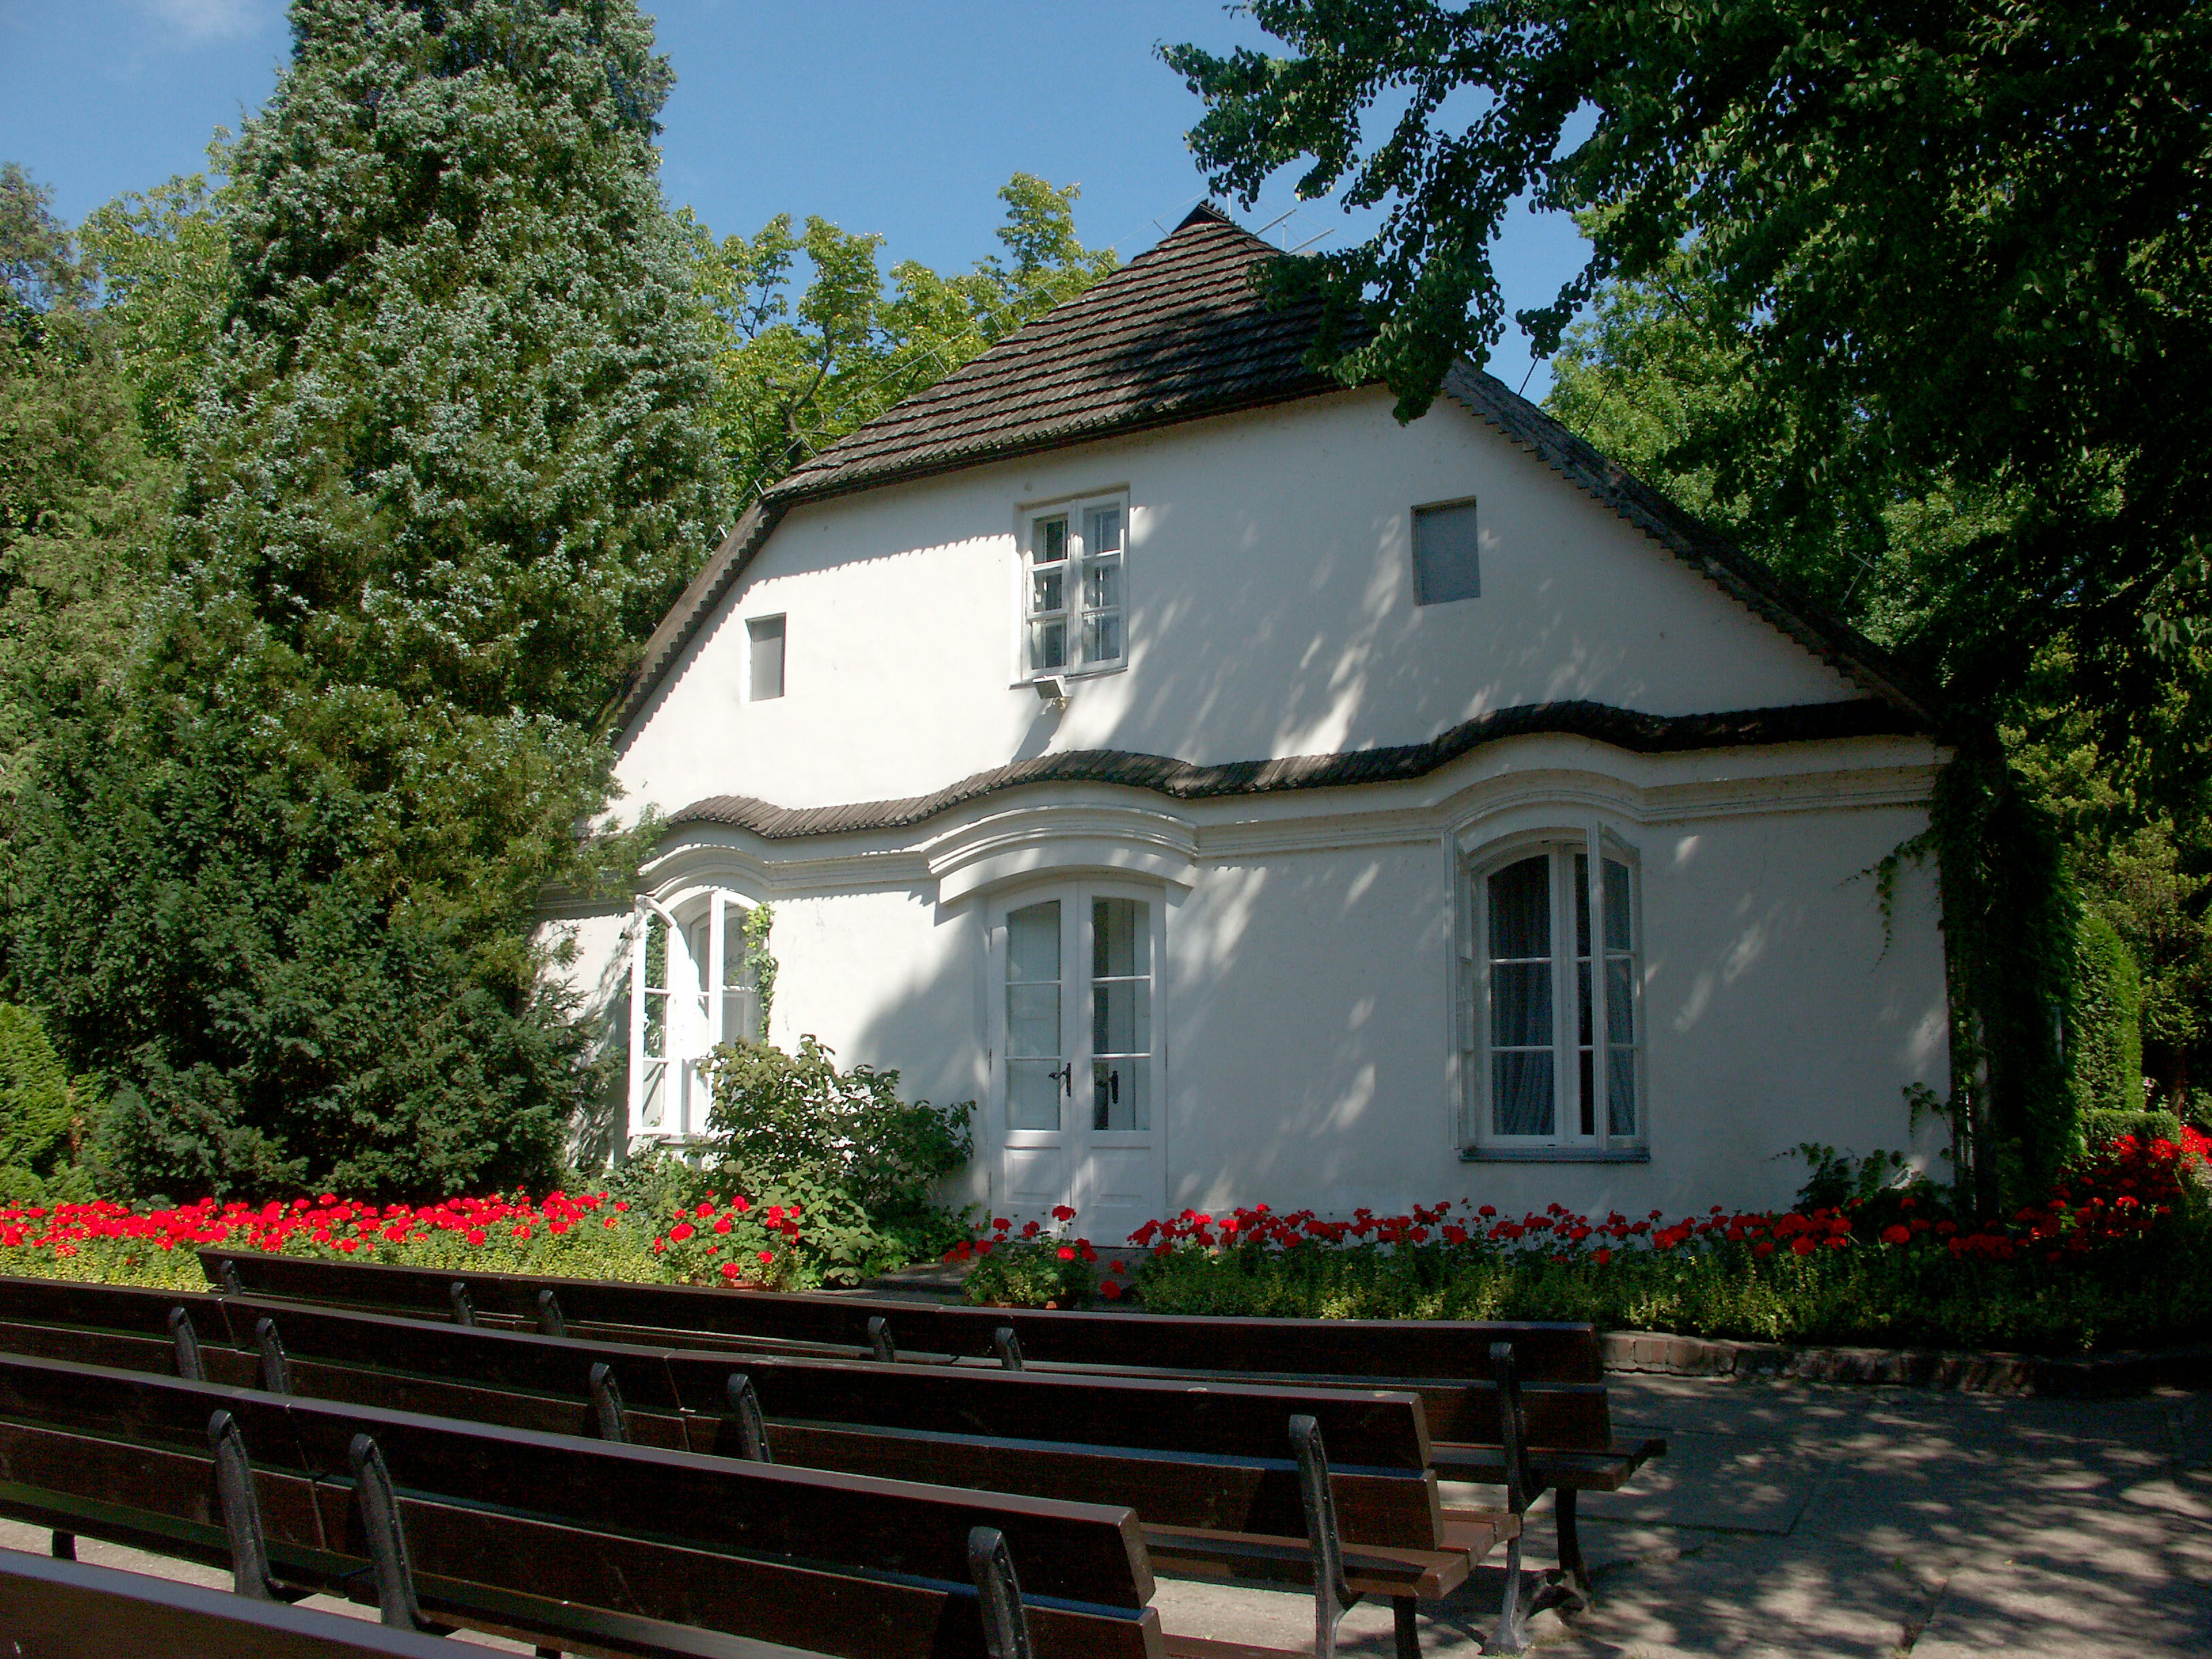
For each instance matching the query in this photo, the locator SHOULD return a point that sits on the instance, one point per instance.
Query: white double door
(1078, 1078)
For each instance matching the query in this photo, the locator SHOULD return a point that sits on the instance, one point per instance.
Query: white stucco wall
(1271, 613)
(1307, 995)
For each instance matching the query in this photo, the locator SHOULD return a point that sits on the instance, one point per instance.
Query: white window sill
(1555, 1155)
(1027, 682)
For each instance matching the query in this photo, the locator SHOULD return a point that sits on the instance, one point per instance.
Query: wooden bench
(606, 1548)
(62, 1609)
(1449, 1362)
(1213, 1471)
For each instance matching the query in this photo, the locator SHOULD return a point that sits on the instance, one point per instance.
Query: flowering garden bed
(732, 1241)
(2116, 1256)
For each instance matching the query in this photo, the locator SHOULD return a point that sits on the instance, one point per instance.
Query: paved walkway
(1794, 1519)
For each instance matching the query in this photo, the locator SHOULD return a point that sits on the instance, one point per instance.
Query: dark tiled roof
(1176, 335)
(1643, 734)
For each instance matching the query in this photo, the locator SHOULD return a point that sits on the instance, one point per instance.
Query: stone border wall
(2127, 1371)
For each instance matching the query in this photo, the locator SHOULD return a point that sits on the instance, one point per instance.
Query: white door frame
(1133, 1177)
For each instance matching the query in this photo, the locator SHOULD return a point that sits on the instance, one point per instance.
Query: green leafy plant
(1833, 1177)
(861, 1167)
(1037, 1267)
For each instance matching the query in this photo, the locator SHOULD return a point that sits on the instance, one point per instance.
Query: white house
(1244, 797)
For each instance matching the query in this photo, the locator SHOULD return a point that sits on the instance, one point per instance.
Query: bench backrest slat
(1078, 1551)
(1347, 1348)
(74, 1610)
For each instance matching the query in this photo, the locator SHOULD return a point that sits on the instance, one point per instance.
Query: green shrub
(37, 1115)
(2099, 1128)
(862, 1167)
(2104, 1027)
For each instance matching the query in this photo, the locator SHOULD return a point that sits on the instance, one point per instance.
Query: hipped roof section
(1179, 334)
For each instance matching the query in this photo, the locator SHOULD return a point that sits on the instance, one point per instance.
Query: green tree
(1957, 245)
(1914, 300)
(163, 262)
(83, 506)
(445, 471)
(796, 377)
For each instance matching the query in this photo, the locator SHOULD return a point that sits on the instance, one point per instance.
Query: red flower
(477, 1235)
(1896, 1234)
(767, 1256)
(721, 1224)
(680, 1231)
(731, 1270)
(1110, 1290)
(1801, 1245)
(1062, 1213)
(1067, 1253)
(1604, 1256)
(1764, 1247)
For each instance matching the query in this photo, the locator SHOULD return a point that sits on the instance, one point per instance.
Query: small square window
(1445, 564)
(767, 634)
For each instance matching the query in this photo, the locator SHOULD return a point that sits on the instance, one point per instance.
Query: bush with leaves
(38, 1116)
(862, 1166)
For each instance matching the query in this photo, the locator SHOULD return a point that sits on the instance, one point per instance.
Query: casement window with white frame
(692, 989)
(1074, 587)
(1552, 1042)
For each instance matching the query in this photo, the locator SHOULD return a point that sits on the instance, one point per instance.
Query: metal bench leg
(1574, 1575)
(464, 1311)
(1513, 1436)
(1006, 1343)
(607, 1405)
(65, 1546)
(998, 1594)
(880, 1346)
(1408, 1633)
(188, 1346)
(388, 1543)
(1332, 1595)
(550, 1322)
(746, 1412)
(276, 1375)
(241, 1510)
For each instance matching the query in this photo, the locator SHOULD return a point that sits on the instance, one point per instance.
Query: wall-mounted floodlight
(1051, 688)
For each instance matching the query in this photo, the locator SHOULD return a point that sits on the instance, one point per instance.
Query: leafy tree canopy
(443, 471)
(796, 377)
(1953, 252)
(83, 505)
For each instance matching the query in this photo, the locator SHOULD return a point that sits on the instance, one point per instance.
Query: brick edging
(2134, 1371)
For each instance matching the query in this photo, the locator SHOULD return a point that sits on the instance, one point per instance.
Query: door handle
(1066, 1076)
(1114, 1085)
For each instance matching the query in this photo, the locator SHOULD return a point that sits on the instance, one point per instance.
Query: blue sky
(903, 116)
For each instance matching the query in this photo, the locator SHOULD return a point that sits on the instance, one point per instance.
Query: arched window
(1554, 1035)
(691, 988)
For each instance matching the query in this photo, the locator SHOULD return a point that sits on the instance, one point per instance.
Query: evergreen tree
(447, 470)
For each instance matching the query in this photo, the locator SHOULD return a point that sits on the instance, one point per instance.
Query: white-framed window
(1554, 1020)
(1074, 587)
(691, 989)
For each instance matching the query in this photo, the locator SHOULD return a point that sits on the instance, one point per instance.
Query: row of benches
(749, 1446)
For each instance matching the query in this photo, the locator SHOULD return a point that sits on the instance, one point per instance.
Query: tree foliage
(797, 375)
(1954, 247)
(442, 472)
(1912, 302)
(83, 505)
